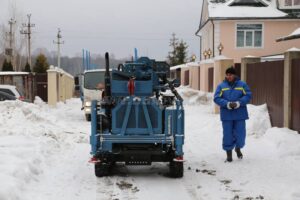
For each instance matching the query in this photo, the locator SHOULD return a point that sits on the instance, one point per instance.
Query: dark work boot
(239, 153)
(229, 156)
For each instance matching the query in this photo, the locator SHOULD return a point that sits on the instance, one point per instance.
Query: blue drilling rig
(140, 118)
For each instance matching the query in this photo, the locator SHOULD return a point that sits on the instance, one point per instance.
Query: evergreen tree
(181, 50)
(4, 65)
(178, 55)
(41, 64)
(10, 67)
(27, 68)
(172, 54)
(7, 66)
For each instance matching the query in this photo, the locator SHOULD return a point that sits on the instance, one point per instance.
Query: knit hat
(230, 70)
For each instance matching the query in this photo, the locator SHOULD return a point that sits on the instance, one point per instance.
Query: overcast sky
(117, 26)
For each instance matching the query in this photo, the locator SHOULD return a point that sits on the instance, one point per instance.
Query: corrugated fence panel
(237, 67)
(178, 75)
(41, 86)
(266, 83)
(210, 79)
(187, 77)
(295, 121)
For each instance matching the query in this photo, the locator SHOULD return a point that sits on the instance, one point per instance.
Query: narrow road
(68, 175)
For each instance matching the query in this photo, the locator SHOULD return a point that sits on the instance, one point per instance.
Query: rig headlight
(88, 104)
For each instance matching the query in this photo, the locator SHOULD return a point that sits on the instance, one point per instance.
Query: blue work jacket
(232, 92)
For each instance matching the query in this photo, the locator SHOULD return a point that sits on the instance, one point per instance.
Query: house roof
(294, 35)
(244, 9)
(239, 10)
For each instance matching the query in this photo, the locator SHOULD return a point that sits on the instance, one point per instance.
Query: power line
(9, 51)
(28, 33)
(11, 22)
(58, 42)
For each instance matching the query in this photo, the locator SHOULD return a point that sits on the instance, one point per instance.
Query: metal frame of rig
(137, 121)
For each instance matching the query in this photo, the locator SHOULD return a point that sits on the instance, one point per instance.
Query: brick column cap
(250, 57)
(294, 49)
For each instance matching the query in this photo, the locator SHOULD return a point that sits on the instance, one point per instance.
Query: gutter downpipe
(213, 50)
(200, 37)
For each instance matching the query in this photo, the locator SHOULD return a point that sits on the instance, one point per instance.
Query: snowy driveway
(44, 153)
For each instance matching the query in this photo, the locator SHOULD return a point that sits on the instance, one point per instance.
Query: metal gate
(265, 80)
(42, 86)
(210, 79)
(295, 115)
(187, 77)
(237, 67)
(178, 75)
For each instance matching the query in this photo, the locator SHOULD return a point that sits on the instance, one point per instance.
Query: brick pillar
(204, 75)
(52, 87)
(244, 62)
(62, 89)
(288, 57)
(220, 67)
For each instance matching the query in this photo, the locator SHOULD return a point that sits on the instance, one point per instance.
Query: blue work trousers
(234, 134)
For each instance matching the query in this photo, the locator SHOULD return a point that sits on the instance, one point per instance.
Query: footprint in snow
(226, 182)
(209, 172)
(237, 197)
(123, 185)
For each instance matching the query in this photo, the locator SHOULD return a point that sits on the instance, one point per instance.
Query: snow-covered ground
(44, 153)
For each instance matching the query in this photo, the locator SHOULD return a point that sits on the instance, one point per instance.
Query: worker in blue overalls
(232, 95)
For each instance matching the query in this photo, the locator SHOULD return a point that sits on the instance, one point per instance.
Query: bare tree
(19, 41)
(3, 38)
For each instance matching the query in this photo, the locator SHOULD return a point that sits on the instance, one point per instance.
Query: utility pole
(28, 33)
(58, 42)
(9, 51)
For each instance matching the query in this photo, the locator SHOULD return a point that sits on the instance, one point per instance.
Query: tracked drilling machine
(140, 118)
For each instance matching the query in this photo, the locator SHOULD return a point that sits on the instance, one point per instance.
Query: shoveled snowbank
(41, 121)
(30, 134)
(259, 120)
(195, 97)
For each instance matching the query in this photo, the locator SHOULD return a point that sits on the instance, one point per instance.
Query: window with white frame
(249, 35)
(289, 3)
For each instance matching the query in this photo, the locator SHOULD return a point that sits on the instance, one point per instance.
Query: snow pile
(38, 101)
(285, 141)
(20, 118)
(20, 163)
(259, 120)
(30, 135)
(296, 32)
(195, 97)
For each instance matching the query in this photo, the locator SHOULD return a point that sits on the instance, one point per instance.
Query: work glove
(237, 105)
(234, 105)
(229, 106)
